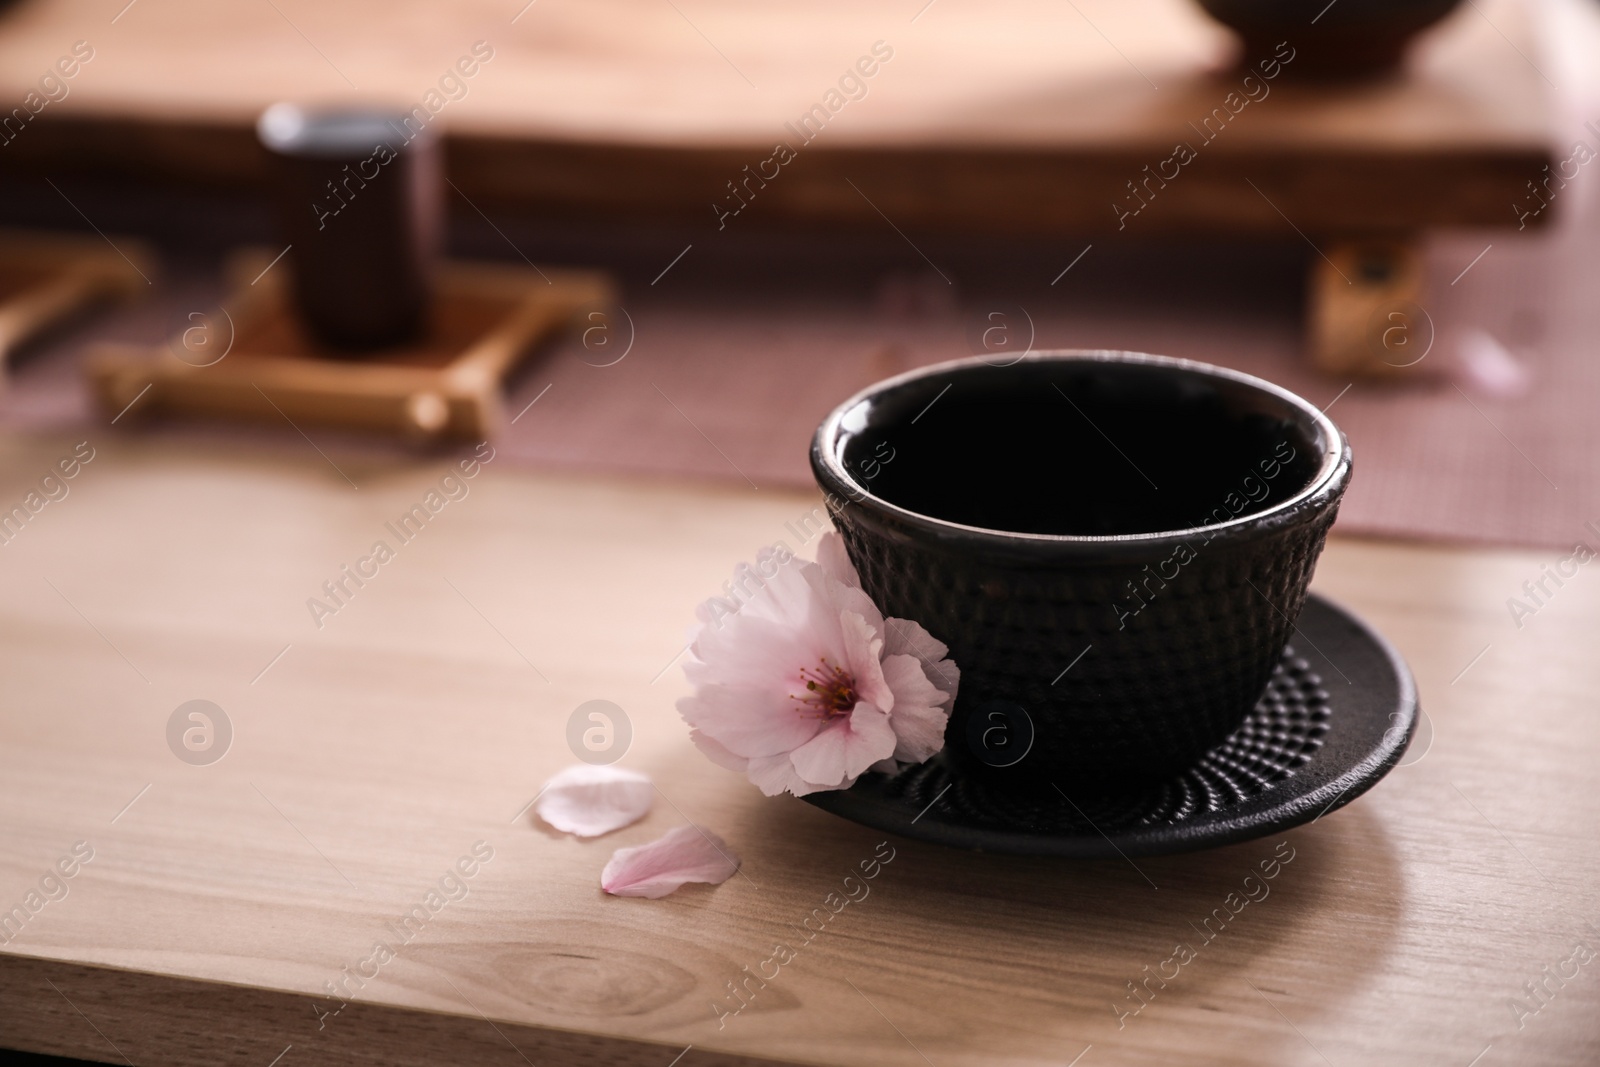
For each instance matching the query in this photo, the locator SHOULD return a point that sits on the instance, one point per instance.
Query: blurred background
(1383, 207)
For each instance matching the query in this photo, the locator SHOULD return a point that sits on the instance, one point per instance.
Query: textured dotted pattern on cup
(1281, 734)
(1145, 700)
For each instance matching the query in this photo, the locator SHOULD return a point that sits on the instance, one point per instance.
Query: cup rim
(1335, 457)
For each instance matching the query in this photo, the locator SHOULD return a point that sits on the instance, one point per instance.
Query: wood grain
(370, 754)
(1022, 116)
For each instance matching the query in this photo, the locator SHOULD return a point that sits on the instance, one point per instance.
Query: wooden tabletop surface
(1024, 115)
(209, 904)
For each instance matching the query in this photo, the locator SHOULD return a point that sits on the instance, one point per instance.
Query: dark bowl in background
(1022, 513)
(1349, 38)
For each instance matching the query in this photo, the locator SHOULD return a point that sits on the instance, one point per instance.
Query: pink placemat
(732, 392)
(726, 381)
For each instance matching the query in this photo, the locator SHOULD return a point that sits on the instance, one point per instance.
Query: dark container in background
(357, 194)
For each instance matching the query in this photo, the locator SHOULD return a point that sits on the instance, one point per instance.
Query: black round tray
(1336, 716)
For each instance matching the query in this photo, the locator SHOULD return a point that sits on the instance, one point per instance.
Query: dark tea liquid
(1099, 449)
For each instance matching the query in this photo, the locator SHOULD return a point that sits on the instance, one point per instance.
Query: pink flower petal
(902, 637)
(791, 596)
(774, 590)
(686, 854)
(835, 561)
(863, 649)
(841, 597)
(846, 748)
(1488, 368)
(747, 650)
(717, 752)
(919, 716)
(749, 722)
(776, 774)
(590, 801)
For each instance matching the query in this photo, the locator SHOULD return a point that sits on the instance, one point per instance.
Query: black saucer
(1336, 716)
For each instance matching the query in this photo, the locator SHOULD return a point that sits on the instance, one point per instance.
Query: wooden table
(369, 755)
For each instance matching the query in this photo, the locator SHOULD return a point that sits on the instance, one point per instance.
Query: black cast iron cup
(358, 199)
(1115, 546)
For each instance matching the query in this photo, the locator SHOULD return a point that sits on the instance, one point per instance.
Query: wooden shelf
(1019, 116)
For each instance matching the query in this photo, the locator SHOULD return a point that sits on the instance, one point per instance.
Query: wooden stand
(46, 279)
(1364, 315)
(253, 360)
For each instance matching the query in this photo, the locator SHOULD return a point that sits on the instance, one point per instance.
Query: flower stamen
(830, 691)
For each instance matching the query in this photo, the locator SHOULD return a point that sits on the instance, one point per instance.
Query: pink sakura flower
(803, 684)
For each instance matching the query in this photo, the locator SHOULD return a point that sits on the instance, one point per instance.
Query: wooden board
(370, 754)
(252, 360)
(1025, 116)
(47, 279)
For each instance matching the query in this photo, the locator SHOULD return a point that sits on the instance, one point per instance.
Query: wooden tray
(251, 359)
(47, 278)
